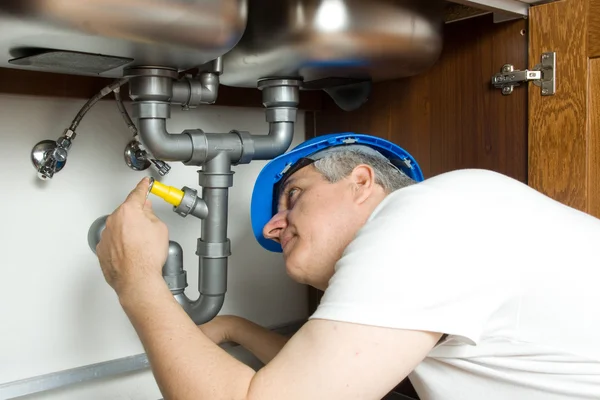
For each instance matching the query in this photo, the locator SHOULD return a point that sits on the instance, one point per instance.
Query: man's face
(315, 222)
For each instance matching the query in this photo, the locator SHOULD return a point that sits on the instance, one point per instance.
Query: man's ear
(363, 181)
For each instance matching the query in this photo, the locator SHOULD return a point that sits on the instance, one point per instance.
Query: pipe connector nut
(280, 92)
(199, 147)
(150, 83)
(191, 204)
(281, 114)
(247, 146)
(213, 250)
(151, 109)
(215, 180)
(176, 283)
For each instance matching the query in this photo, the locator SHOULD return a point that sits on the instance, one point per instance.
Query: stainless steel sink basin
(340, 46)
(99, 37)
(329, 42)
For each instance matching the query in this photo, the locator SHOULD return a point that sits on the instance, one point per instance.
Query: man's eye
(291, 193)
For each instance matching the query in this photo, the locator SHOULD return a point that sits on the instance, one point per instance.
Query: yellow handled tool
(170, 194)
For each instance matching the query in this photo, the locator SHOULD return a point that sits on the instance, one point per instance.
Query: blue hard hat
(262, 207)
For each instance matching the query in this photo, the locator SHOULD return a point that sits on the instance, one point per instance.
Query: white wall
(56, 311)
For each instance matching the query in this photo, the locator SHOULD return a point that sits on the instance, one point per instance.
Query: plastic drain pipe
(151, 89)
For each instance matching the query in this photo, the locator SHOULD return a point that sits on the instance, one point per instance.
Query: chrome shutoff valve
(50, 156)
(138, 159)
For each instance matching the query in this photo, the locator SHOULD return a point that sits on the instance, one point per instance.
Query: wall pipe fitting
(155, 89)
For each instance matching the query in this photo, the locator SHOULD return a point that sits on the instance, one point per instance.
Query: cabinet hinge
(542, 75)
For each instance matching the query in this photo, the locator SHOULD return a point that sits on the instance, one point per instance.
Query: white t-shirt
(512, 276)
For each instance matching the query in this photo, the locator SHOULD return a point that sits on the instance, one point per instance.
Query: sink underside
(99, 37)
(327, 43)
(324, 40)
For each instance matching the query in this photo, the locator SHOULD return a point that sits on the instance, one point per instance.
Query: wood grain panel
(593, 165)
(454, 109)
(594, 28)
(557, 124)
(33, 83)
(450, 117)
(411, 117)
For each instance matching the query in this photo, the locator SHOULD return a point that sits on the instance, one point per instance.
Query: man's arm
(324, 360)
(340, 360)
(260, 341)
(186, 363)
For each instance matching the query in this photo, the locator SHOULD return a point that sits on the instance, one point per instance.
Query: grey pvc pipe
(202, 310)
(212, 280)
(213, 249)
(194, 92)
(206, 308)
(174, 264)
(95, 232)
(179, 147)
(210, 87)
(181, 92)
(275, 143)
(162, 144)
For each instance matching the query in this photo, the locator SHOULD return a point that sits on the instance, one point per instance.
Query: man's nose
(275, 226)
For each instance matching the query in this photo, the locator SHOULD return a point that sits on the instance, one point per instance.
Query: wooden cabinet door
(450, 117)
(564, 129)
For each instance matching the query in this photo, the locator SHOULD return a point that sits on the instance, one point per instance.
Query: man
(471, 282)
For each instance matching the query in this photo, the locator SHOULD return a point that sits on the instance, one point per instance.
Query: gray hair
(340, 164)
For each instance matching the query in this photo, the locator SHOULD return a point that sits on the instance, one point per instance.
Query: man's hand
(134, 246)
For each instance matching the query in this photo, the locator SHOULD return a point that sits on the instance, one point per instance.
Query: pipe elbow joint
(206, 308)
(282, 135)
(95, 232)
(210, 87)
(190, 93)
(162, 144)
(276, 142)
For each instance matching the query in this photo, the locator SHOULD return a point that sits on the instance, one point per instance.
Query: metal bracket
(542, 75)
